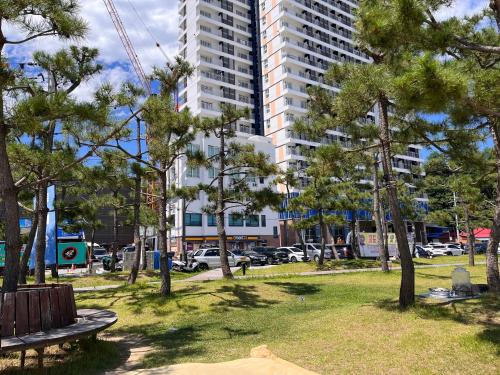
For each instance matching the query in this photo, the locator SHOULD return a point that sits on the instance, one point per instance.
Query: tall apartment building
(218, 37)
(263, 54)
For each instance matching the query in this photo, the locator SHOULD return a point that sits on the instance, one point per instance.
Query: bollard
(244, 268)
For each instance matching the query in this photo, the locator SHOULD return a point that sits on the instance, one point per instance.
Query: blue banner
(50, 235)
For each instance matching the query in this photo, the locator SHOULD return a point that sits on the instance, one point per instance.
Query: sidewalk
(215, 274)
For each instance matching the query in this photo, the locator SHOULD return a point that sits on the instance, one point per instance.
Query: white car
(210, 258)
(443, 249)
(294, 253)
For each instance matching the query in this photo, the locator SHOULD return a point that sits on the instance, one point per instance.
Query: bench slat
(55, 312)
(63, 306)
(8, 315)
(22, 314)
(73, 302)
(45, 314)
(100, 320)
(34, 311)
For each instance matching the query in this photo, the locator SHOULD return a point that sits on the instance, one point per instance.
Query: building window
(235, 220)
(262, 220)
(211, 221)
(192, 148)
(275, 232)
(212, 150)
(193, 172)
(252, 221)
(192, 220)
(213, 172)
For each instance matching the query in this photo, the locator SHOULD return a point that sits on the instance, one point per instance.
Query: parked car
(453, 249)
(272, 254)
(106, 263)
(421, 252)
(343, 250)
(210, 258)
(256, 259)
(442, 249)
(99, 253)
(479, 248)
(294, 253)
(314, 250)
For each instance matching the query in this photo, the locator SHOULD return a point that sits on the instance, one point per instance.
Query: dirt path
(133, 349)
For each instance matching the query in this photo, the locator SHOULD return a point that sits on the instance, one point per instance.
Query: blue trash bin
(157, 260)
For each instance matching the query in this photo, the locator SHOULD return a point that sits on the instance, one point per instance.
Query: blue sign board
(50, 235)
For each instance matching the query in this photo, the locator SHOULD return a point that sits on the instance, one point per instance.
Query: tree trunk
(220, 211)
(24, 266)
(354, 235)
(41, 242)
(334, 249)
(114, 246)
(470, 236)
(492, 275)
(407, 289)
(378, 221)
(322, 236)
(301, 240)
(165, 288)
(137, 235)
(8, 192)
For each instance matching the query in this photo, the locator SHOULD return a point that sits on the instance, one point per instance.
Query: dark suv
(273, 255)
(256, 259)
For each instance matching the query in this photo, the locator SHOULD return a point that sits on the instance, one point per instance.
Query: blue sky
(160, 16)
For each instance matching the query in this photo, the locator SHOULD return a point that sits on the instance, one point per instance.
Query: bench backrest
(35, 308)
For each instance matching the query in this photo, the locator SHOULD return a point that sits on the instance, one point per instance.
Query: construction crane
(127, 44)
(139, 70)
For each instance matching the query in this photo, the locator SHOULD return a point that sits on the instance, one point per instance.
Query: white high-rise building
(263, 54)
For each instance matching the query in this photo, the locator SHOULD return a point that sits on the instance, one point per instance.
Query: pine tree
(57, 18)
(453, 69)
(234, 164)
(460, 195)
(169, 132)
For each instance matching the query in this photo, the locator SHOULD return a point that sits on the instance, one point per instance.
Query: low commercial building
(198, 227)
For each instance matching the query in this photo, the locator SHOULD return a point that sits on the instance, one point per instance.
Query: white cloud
(161, 18)
(159, 15)
(461, 8)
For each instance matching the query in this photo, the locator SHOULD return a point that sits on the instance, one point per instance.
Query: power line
(155, 40)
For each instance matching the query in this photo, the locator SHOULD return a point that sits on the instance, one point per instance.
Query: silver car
(314, 250)
(210, 258)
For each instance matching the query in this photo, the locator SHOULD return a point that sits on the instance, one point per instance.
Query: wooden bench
(38, 316)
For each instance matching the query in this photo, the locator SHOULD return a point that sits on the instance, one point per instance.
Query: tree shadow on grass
(432, 276)
(483, 311)
(239, 296)
(491, 335)
(84, 357)
(297, 289)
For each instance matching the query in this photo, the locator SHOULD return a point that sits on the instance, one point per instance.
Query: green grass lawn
(116, 278)
(291, 268)
(345, 323)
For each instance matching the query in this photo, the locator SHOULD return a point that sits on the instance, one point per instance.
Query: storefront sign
(369, 247)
